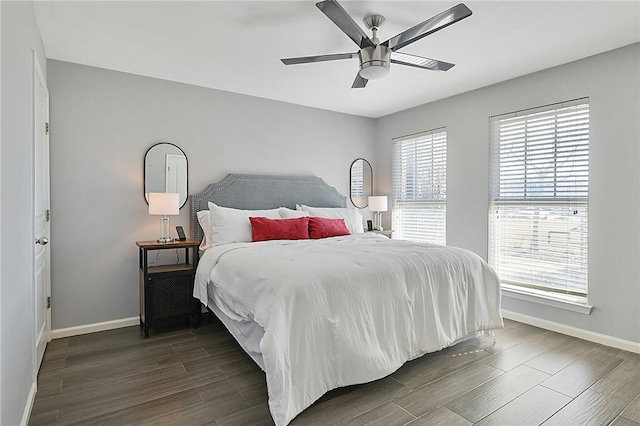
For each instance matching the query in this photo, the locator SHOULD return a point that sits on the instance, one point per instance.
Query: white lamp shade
(164, 203)
(378, 203)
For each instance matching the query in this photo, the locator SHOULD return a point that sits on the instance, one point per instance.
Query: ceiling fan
(375, 57)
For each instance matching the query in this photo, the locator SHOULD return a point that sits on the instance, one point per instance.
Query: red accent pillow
(320, 227)
(264, 229)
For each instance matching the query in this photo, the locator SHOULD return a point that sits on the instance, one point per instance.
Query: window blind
(539, 172)
(419, 175)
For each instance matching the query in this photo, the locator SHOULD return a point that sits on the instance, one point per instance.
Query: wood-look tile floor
(529, 376)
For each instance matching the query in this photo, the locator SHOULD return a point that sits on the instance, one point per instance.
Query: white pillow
(233, 225)
(204, 219)
(352, 218)
(287, 213)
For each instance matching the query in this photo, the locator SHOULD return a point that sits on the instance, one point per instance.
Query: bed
(320, 314)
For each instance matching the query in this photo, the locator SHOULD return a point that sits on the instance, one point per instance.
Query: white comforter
(347, 310)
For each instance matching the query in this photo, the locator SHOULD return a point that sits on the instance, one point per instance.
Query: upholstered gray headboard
(255, 192)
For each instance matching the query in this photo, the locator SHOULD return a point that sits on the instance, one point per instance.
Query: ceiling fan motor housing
(374, 61)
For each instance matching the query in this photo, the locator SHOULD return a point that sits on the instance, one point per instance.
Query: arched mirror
(361, 182)
(166, 170)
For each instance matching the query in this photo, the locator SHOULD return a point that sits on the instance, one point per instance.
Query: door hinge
(46, 128)
(48, 215)
(48, 302)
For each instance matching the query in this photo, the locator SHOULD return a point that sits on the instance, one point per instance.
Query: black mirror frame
(351, 180)
(144, 171)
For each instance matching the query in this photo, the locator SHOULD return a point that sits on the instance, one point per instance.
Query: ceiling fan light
(374, 61)
(374, 70)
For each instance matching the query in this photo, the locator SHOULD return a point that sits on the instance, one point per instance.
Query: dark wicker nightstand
(166, 291)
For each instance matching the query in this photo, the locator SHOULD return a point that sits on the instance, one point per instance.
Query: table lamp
(378, 204)
(164, 203)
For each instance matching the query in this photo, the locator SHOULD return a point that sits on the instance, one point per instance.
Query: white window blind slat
(538, 218)
(419, 178)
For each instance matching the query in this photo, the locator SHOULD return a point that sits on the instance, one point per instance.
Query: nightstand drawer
(170, 295)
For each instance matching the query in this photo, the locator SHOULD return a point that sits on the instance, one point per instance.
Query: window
(539, 187)
(420, 187)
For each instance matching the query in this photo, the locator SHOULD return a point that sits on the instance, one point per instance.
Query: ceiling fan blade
(359, 82)
(420, 62)
(431, 25)
(341, 18)
(319, 58)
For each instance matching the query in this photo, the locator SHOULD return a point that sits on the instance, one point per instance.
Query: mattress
(247, 333)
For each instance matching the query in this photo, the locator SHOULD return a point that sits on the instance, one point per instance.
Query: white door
(175, 173)
(41, 224)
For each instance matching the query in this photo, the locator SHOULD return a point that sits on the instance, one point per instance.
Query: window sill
(562, 301)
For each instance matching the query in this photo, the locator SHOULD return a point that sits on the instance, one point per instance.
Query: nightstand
(166, 291)
(387, 232)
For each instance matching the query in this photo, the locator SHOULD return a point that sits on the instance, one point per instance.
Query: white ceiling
(237, 45)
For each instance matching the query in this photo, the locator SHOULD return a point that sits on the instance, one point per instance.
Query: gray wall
(104, 121)
(102, 124)
(611, 82)
(19, 37)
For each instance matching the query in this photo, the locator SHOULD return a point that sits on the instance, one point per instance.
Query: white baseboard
(92, 328)
(29, 405)
(591, 336)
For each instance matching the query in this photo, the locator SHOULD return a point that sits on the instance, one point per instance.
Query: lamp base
(377, 221)
(164, 230)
